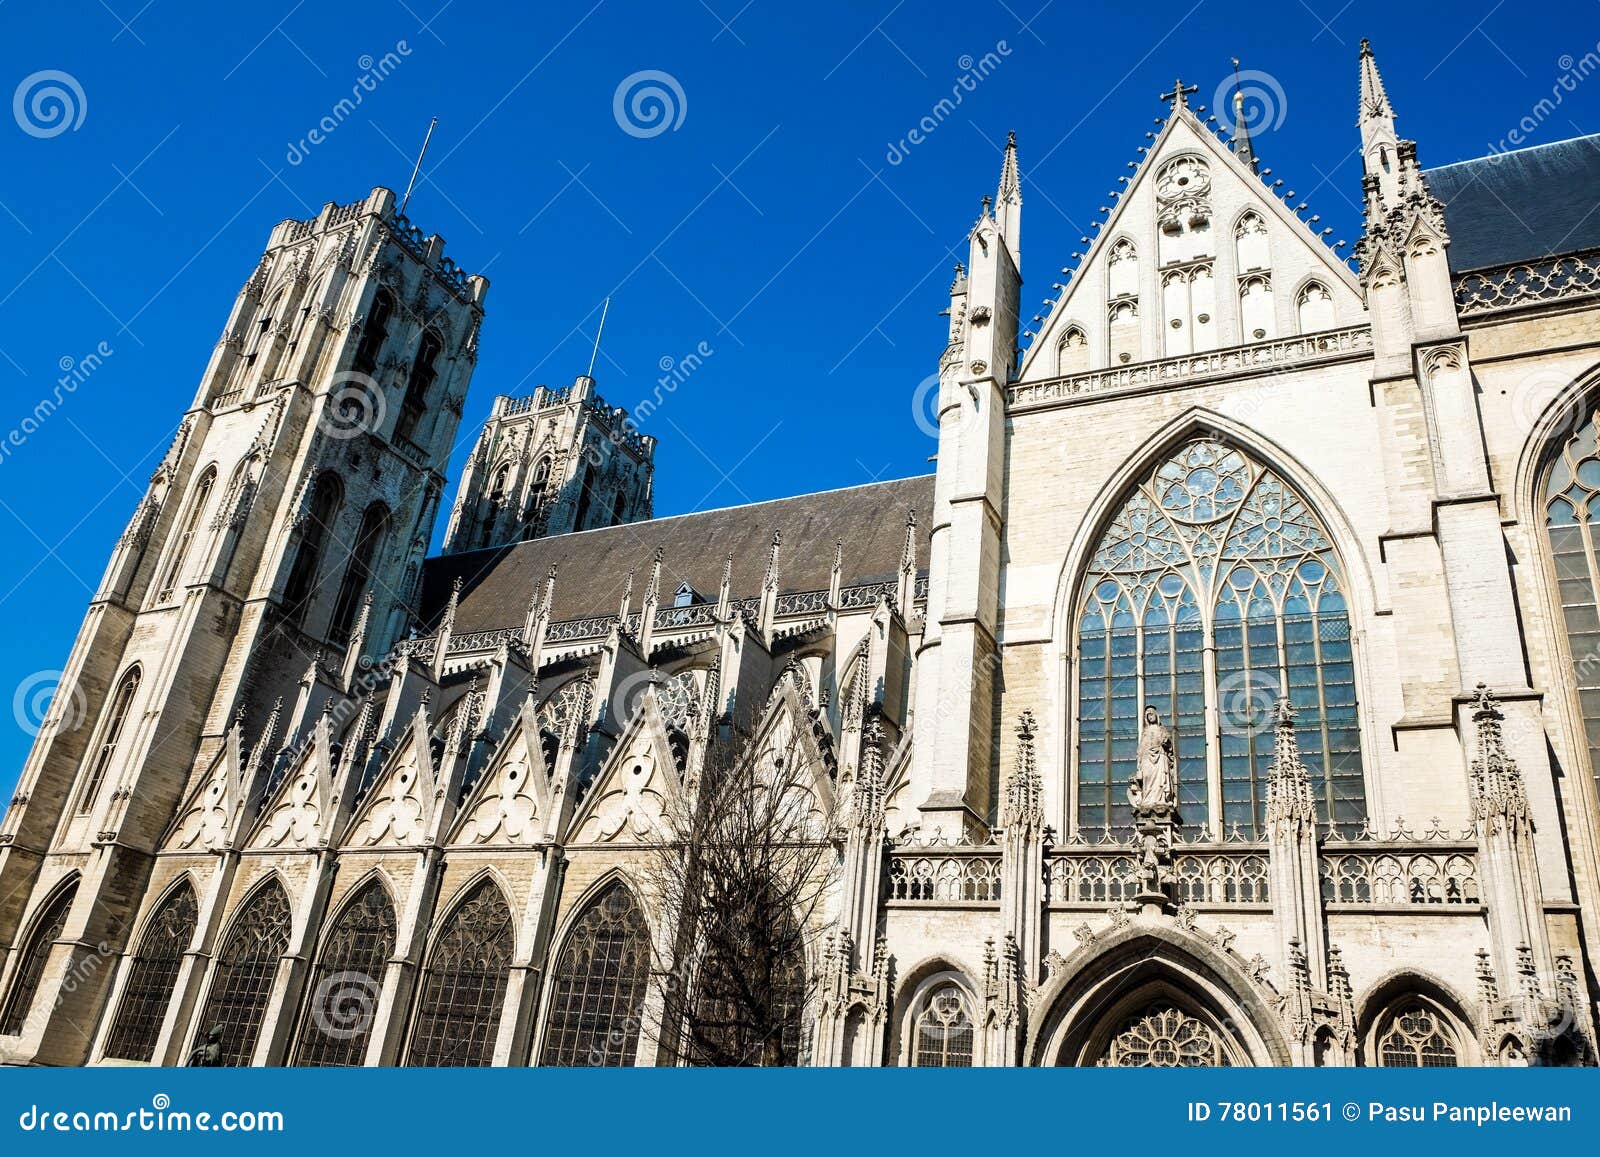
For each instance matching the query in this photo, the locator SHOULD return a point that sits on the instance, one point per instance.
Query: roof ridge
(694, 514)
(1513, 152)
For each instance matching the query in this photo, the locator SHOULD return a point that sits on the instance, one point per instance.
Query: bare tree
(746, 865)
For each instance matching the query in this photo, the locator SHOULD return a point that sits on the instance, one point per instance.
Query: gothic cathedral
(1229, 694)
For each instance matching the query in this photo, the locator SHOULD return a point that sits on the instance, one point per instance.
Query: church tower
(280, 541)
(554, 462)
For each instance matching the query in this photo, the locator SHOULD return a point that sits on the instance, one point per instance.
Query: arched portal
(1154, 996)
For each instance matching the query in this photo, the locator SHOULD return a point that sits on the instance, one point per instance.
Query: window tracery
(247, 966)
(1214, 552)
(464, 990)
(1572, 505)
(597, 1002)
(942, 1029)
(35, 956)
(1164, 1036)
(152, 978)
(337, 1023)
(1416, 1035)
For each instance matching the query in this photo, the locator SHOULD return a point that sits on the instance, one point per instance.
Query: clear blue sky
(768, 224)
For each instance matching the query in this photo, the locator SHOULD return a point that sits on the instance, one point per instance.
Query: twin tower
(279, 550)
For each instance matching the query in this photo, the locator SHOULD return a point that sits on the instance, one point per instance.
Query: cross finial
(1179, 94)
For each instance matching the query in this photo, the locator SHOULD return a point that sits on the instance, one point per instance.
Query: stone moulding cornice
(1282, 355)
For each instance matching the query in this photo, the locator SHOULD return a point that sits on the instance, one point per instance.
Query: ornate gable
(299, 812)
(398, 810)
(511, 802)
(1198, 253)
(630, 799)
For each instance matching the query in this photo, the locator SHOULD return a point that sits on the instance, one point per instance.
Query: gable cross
(1179, 93)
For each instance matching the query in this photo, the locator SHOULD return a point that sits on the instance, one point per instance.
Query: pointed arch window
(316, 527)
(464, 990)
(1250, 243)
(1213, 552)
(424, 372)
(1122, 270)
(1257, 318)
(1072, 352)
(111, 729)
(1572, 529)
(358, 573)
(541, 480)
(35, 956)
(336, 1025)
(1314, 308)
(941, 1029)
(721, 1032)
(152, 977)
(597, 1002)
(585, 495)
(246, 970)
(1416, 1034)
(495, 503)
(374, 333)
(191, 523)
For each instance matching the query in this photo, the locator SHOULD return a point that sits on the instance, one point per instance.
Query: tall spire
(1374, 99)
(1380, 147)
(1008, 201)
(1240, 144)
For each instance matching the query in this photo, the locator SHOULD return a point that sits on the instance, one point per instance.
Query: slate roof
(592, 566)
(1523, 205)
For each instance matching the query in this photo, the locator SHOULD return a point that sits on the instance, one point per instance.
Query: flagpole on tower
(417, 168)
(602, 329)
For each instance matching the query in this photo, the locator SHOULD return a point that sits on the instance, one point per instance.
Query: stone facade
(350, 805)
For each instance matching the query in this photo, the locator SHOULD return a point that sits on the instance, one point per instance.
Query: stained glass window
(464, 989)
(246, 969)
(1415, 1036)
(152, 977)
(1572, 505)
(597, 1002)
(1214, 552)
(941, 1031)
(35, 955)
(337, 1023)
(1164, 1036)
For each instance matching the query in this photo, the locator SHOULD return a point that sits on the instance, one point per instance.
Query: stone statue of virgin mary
(1154, 788)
